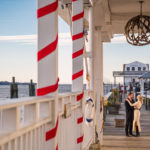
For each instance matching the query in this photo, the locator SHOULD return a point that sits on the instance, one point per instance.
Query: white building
(131, 72)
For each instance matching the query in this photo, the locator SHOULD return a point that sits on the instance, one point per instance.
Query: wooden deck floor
(118, 142)
(115, 139)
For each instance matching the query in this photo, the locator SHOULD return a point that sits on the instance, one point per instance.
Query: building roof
(146, 75)
(136, 62)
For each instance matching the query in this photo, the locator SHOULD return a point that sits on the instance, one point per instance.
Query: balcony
(25, 121)
(128, 73)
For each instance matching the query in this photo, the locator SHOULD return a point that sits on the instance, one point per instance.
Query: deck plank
(115, 139)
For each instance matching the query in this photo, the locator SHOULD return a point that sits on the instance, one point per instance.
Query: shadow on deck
(115, 139)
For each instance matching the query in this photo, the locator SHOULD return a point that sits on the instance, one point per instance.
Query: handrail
(10, 103)
(15, 105)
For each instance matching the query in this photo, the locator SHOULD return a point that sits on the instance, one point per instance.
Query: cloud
(23, 39)
(64, 39)
(118, 38)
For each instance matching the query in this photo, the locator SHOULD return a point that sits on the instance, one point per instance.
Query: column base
(95, 146)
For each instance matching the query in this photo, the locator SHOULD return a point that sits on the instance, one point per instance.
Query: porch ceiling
(123, 10)
(111, 15)
(128, 6)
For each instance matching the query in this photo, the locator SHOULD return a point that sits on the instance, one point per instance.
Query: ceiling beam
(125, 16)
(107, 11)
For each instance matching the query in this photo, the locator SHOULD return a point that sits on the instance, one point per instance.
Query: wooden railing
(23, 122)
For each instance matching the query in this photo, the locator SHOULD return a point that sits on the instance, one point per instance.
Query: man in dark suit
(129, 115)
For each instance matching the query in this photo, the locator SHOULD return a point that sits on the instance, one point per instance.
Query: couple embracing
(133, 115)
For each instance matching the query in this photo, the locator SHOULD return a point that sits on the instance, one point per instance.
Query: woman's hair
(140, 97)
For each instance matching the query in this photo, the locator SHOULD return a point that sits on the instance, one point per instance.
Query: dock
(114, 137)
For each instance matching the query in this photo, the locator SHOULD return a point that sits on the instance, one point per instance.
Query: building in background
(145, 82)
(131, 74)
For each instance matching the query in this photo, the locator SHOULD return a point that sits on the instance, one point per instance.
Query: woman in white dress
(136, 122)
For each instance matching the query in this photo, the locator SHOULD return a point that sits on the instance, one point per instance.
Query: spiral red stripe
(48, 49)
(52, 133)
(80, 139)
(77, 75)
(78, 16)
(77, 36)
(47, 9)
(78, 53)
(80, 120)
(80, 96)
(57, 147)
(48, 89)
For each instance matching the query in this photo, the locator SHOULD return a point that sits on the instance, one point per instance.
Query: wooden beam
(107, 11)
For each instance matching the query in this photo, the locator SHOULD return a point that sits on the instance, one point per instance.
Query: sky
(18, 46)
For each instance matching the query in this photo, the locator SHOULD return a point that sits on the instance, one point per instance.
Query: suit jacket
(129, 110)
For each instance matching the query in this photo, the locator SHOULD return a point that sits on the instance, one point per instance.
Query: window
(144, 68)
(128, 68)
(139, 68)
(133, 68)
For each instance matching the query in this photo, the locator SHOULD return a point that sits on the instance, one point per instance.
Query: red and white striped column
(122, 89)
(78, 46)
(47, 58)
(77, 58)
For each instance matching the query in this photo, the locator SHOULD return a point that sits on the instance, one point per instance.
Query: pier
(115, 139)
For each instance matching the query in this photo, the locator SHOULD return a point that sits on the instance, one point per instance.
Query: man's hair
(130, 93)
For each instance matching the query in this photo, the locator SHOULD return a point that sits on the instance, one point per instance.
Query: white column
(91, 47)
(115, 81)
(99, 78)
(142, 86)
(47, 14)
(101, 91)
(96, 81)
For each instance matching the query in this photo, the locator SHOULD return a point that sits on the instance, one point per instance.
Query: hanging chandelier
(137, 29)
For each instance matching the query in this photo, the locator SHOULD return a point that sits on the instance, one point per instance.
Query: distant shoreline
(21, 83)
(27, 83)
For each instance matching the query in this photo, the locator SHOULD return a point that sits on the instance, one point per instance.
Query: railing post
(37, 112)
(17, 117)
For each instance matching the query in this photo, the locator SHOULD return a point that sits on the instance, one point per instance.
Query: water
(23, 90)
